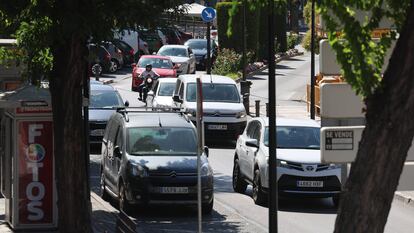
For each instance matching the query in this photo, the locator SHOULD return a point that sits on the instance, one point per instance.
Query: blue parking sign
(208, 14)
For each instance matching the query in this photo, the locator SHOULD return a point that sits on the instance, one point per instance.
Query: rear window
(166, 89)
(227, 93)
(161, 141)
(105, 99)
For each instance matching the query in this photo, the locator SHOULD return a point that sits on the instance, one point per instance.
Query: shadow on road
(283, 67)
(293, 59)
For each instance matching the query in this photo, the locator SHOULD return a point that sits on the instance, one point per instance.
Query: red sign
(35, 172)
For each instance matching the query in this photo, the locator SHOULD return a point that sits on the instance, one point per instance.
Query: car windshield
(156, 63)
(161, 141)
(172, 51)
(166, 89)
(105, 99)
(295, 137)
(199, 44)
(214, 93)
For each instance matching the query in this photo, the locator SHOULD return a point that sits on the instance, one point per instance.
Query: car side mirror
(150, 93)
(117, 152)
(252, 143)
(126, 103)
(206, 151)
(177, 98)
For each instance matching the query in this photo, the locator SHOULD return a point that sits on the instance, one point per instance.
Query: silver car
(299, 168)
(182, 56)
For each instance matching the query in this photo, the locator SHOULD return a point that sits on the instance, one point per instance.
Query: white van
(224, 112)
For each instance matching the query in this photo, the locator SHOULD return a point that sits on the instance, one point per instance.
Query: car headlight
(282, 163)
(138, 170)
(206, 170)
(241, 114)
(334, 166)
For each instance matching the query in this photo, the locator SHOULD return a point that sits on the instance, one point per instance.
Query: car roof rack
(125, 110)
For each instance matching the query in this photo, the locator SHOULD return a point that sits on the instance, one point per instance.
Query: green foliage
(307, 13)
(230, 32)
(292, 40)
(306, 42)
(360, 57)
(230, 62)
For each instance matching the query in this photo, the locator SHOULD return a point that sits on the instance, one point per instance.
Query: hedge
(235, 41)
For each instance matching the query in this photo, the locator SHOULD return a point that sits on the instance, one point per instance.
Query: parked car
(199, 48)
(182, 56)
(152, 38)
(104, 100)
(299, 168)
(117, 58)
(151, 158)
(99, 58)
(224, 112)
(162, 65)
(132, 38)
(172, 35)
(127, 51)
(161, 94)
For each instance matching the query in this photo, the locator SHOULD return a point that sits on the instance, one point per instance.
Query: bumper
(288, 185)
(147, 190)
(96, 132)
(219, 131)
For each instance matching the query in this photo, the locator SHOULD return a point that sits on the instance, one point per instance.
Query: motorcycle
(147, 86)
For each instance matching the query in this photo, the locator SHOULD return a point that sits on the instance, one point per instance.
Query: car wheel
(239, 184)
(124, 205)
(336, 200)
(104, 195)
(208, 208)
(113, 67)
(96, 69)
(259, 196)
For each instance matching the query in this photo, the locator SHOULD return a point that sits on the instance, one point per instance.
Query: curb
(404, 199)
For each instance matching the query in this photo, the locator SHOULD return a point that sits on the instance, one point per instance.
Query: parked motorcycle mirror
(126, 103)
(206, 150)
(117, 152)
(150, 93)
(177, 98)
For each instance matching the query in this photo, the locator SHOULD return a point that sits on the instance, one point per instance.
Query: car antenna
(159, 120)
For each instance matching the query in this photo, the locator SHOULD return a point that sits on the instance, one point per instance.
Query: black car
(99, 58)
(151, 158)
(127, 51)
(104, 100)
(199, 47)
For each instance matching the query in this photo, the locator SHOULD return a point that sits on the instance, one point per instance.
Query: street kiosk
(27, 159)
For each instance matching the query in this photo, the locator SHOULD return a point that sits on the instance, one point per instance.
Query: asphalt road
(235, 212)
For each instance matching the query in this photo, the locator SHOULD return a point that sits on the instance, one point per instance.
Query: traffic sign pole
(208, 63)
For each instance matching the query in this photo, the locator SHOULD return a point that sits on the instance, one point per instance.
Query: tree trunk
(70, 163)
(389, 131)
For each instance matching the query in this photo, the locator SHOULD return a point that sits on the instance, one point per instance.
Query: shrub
(292, 40)
(306, 42)
(227, 61)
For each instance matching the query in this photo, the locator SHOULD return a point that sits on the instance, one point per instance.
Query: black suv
(151, 158)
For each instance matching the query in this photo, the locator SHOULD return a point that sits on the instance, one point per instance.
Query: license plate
(173, 190)
(306, 183)
(97, 132)
(217, 127)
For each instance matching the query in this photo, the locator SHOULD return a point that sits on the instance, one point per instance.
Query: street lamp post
(272, 123)
(312, 80)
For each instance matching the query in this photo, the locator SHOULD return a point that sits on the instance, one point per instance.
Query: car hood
(166, 164)
(100, 114)
(213, 107)
(164, 100)
(297, 155)
(159, 71)
(179, 59)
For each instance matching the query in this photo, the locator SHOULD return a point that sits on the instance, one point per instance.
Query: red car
(161, 65)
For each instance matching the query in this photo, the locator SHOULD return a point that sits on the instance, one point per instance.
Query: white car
(161, 94)
(182, 56)
(299, 168)
(224, 113)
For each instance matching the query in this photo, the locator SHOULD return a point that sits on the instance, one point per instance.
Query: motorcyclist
(148, 73)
